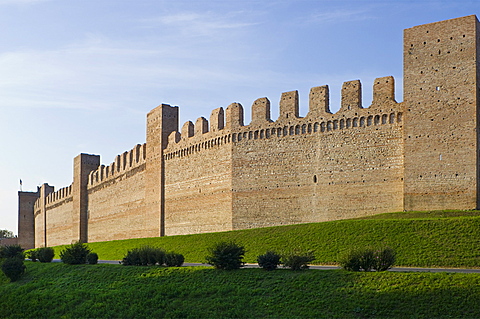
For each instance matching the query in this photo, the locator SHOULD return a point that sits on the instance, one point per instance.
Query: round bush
(13, 268)
(45, 254)
(32, 255)
(226, 255)
(144, 256)
(269, 261)
(92, 258)
(75, 254)
(298, 260)
(11, 251)
(174, 260)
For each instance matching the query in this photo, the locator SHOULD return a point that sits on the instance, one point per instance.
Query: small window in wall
(315, 179)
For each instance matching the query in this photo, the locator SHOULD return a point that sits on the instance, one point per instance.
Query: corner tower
(441, 96)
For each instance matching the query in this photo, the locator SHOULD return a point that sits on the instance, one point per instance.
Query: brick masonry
(220, 174)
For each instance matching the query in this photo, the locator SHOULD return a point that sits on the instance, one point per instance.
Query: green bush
(13, 268)
(11, 251)
(367, 259)
(174, 259)
(75, 254)
(226, 255)
(32, 255)
(269, 261)
(297, 260)
(384, 259)
(45, 254)
(144, 256)
(92, 258)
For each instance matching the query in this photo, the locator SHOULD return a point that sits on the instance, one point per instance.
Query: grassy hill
(114, 291)
(445, 238)
(424, 239)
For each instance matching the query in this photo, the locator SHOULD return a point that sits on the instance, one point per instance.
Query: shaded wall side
(59, 226)
(198, 189)
(26, 219)
(440, 93)
(117, 210)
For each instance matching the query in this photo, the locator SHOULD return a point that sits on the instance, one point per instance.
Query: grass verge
(112, 291)
(423, 239)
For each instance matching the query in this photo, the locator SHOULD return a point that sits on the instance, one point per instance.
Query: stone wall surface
(221, 174)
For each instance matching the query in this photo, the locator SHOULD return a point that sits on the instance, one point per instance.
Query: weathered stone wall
(116, 199)
(59, 217)
(441, 132)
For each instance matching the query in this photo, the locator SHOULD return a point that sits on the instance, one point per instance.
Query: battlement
(231, 128)
(59, 196)
(123, 163)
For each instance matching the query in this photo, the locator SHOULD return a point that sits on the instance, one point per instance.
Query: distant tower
(26, 219)
(441, 96)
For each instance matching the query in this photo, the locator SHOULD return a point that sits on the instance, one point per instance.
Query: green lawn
(114, 291)
(424, 239)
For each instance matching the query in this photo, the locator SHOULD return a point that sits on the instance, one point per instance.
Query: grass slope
(424, 239)
(113, 291)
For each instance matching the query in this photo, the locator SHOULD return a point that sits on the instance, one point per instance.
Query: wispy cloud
(340, 15)
(200, 24)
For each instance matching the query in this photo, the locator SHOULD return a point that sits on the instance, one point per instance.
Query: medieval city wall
(58, 220)
(228, 175)
(116, 193)
(221, 174)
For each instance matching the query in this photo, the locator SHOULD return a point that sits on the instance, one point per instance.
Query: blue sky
(80, 76)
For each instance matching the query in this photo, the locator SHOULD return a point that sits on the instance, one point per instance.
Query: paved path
(395, 269)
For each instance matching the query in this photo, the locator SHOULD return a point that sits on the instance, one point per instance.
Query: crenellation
(217, 120)
(261, 112)
(383, 91)
(201, 126)
(234, 116)
(289, 109)
(319, 102)
(188, 130)
(351, 96)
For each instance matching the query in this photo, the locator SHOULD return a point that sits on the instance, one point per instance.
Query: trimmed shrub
(368, 259)
(75, 254)
(32, 255)
(13, 268)
(269, 261)
(92, 258)
(174, 259)
(45, 254)
(144, 256)
(384, 259)
(11, 251)
(297, 260)
(226, 255)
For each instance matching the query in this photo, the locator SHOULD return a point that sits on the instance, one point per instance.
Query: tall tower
(83, 164)
(26, 219)
(161, 121)
(441, 96)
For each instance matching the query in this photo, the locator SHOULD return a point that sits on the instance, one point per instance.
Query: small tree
(6, 233)
(92, 258)
(13, 268)
(144, 256)
(32, 255)
(226, 255)
(297, 260)
(45, 254)
(366, 259)
(11, 251)
(75, 254)
(174, 260)
(269, 261)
